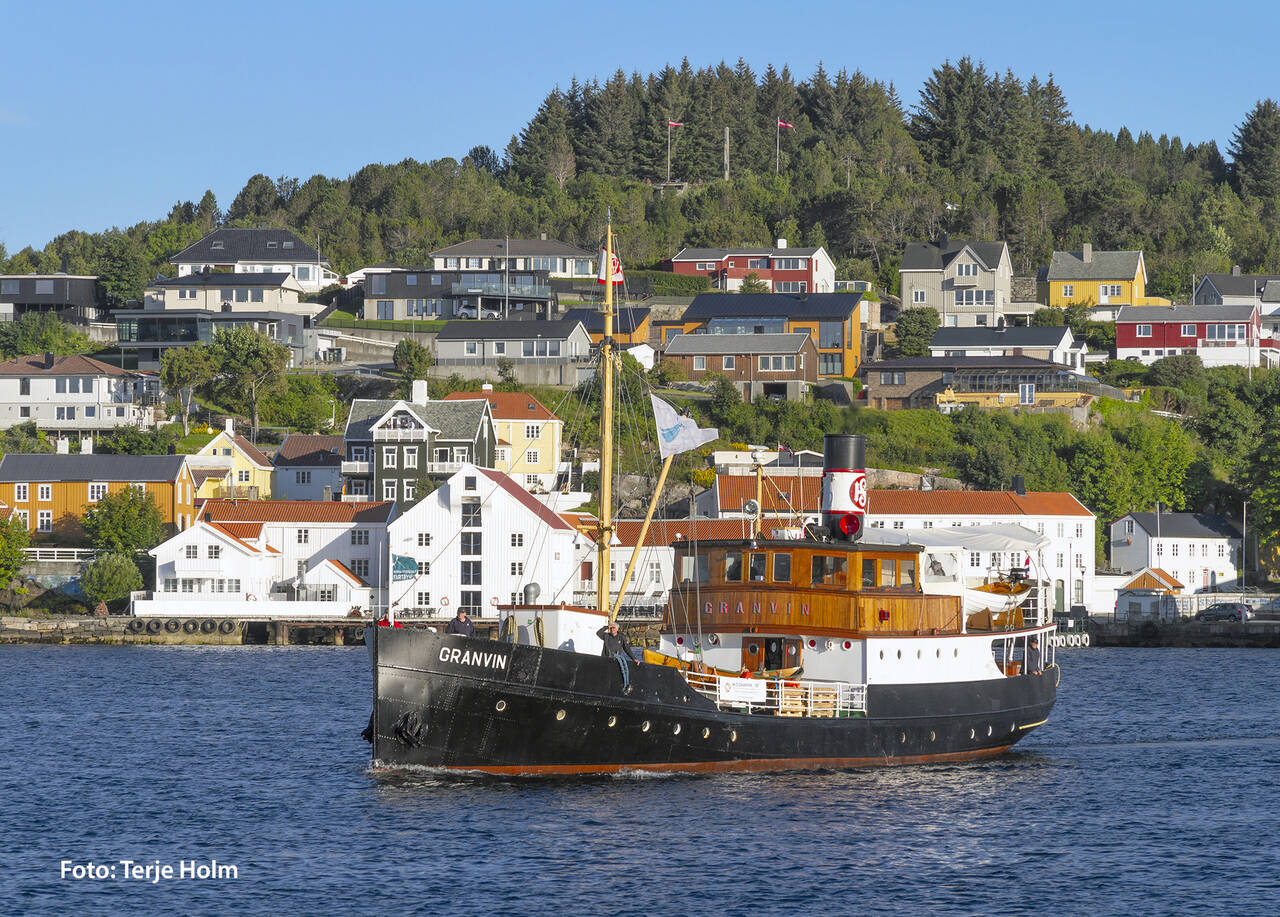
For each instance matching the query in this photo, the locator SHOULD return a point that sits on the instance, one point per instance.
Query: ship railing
(780, 696)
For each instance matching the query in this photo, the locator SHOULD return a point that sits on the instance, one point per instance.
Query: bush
(110, 577)
(665, 283)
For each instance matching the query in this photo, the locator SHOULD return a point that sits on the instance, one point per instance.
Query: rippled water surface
(1153, 789)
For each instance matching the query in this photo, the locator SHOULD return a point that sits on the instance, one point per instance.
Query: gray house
(969, 283)
(476, 342)
(1237, 289)
(1054, 344)
(408, 293)
(391, 444)
(72, 298)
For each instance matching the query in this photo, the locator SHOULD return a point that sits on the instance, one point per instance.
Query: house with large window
(916, 383)
(557, 259)
(1218, 335)
(392, 444)
(785, 270)
(226, 292)
(309, 467)
(1103, 280)
(406, 294)
(477, 542)
(476, 342)
(1202, 550)
(147, 333)
(969, 283)
(759, 365)
(528, 436)
(1053, 344)
(50, 494)
(256, 251)
(75, 298)
(832, 320)
(75, 394)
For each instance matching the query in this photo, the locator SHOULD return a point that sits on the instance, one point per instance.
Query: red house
(785, 270)
(1219, 335)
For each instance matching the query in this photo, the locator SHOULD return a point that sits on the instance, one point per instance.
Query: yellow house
(1104, 280)
(528, 434)
(231, 466)
(49, 494)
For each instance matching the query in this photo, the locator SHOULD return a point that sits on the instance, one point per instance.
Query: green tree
(412, 361)
(250, 367)
(125, 522)
(110, 577)
(507, 375)
(307, 403)
(41, 333)
(14, 538)
(135, 441)
(24, 438)
(916, 328)
(753, 284)
(182, 371)
(1255, 152)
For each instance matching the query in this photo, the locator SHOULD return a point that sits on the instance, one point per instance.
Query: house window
(532, 430)
(917, 297)
(44, 492)
(1144, 331)
(44, 520)
(359, 536)
(791, 286)
(424, 539)
(193, 551)
(242, 295)
(727, 363)
(304, 536)
(360, 567)
(517, 539)
(517, 568)
(424, 568)
(893, 378)
(1079, 529)
(831, 364)
(215, 551)
(1222, 550)
(388, 456)
(188, 585)
(242, 476)
(1172, 551)
(532, 456)
(1061, 558)
(21, 493)
(171, 584)
(1108, 289)
(97, 492)
(471, 601)
(471, 573)
(967, 270)
(410, 488)
(302, 477)
(44, 287)
(424, 600)
(499, 347)
(975, 559)
(471, 348)
(256, 294)
(1068, 290)
(1188, 331)
(699, 364)
(471, 513)
(501, 454)
(411, 457)
(389, 490)
(470, 543)
(411, 280)
(9, 286)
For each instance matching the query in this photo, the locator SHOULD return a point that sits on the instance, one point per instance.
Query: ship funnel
(844, 485)
(531, 593)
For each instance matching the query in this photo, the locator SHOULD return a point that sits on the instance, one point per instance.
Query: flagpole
(777, 146)
(605, 527)
(668, 151)
(644, 530)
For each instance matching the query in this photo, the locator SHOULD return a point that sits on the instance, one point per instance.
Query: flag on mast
(617, 268)
(678, 434)
(675, 124)
(782, 123)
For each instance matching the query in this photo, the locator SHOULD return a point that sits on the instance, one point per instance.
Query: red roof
(346, 571)
(238, 534)
(222, 510)
(34, 365)
(782, 493)
(526, 499)
(508, 405)
(972, 503)
(310, 449)
(256, 455)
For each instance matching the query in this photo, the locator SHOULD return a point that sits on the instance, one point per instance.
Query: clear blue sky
(112, 112)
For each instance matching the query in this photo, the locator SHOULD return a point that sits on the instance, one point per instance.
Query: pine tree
(1255, 154)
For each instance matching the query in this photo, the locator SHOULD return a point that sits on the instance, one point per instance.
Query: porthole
(956, 652)
(675, 730)
(933, 736)
(988, 731)
(753, 648)
(706, 733)
(903, 738)
(559, 714)
(791, 651)
(882, 654)
(679, 641)
(644, 727)
(972, 734)
(938, 653)
(918, 654)
(812, 643)
(500, 706)
(733, 735)
(613, 721)
(848, 644)
(899, 654)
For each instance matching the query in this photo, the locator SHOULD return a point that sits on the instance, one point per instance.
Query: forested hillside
(863, 172)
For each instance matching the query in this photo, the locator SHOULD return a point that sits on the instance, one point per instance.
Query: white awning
(996, 537)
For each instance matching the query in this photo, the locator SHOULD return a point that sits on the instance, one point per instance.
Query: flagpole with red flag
(777, 144)
(670, 124)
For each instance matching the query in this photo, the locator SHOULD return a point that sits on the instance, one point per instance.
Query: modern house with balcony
(392, 445)
(1218, 335)
(146, 335)
(256, 251)
(75, 394)
(556, 259)
(227, 292)
(475, 342)
(74, 298)
(404, 294)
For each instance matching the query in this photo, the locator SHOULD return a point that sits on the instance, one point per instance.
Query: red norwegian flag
(675, 124)
(782, 123)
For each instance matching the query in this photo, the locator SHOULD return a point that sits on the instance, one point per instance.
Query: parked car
(1225, 611)
(470, 312)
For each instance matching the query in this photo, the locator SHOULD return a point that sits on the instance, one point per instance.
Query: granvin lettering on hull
(473, 657)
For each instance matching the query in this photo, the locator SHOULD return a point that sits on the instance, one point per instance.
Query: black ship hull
(480, 705)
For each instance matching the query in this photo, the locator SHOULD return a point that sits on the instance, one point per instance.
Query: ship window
(782, 568)
(888, 573)
(733, 568)
(759, 563)
(907, 571)
(868, 574)
(828, 570)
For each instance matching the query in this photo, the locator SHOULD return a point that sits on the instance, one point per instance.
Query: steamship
(776, 653)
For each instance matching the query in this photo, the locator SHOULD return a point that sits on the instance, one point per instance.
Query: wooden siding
(70, 499)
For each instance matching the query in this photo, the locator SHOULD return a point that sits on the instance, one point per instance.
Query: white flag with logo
(678, 434)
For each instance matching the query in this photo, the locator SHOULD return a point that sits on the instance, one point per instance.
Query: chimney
(418, 393)
(63, 445)
(1235, 270)
(782, 243)
(229, 426)
(86, 445)
(1019, 485)
(487, 387)
(1086, 252)
(844, 485)
(48, 361)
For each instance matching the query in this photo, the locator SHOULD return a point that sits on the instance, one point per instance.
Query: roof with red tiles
(526, 499)
(310, 449)
(34, 365)
(508, 405)
(317, 511)
(781, 493)
(345, 571)
(237, 537)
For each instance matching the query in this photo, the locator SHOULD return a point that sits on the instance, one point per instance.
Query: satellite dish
(751, 508)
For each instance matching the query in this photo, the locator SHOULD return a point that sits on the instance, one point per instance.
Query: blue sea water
(1151, 790)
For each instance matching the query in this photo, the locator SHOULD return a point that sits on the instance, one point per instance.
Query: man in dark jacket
(461, 625)
(615, 645)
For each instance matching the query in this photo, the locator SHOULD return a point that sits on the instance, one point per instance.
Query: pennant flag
(617, 268)
(678, 434)
(782, 123)
(675, 124)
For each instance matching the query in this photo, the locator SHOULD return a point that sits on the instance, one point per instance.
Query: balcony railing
(357, 468)
(1206, 342)
(531, 291)
(400, 436)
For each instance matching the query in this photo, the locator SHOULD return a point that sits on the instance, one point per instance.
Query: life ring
(153, 626)
(358, 633)
(251, 597)
(208, 626)
(190, 627)
(444, 600)
(1075, 639)
(1084, 639)
(173, 625)
(493, 600)
(227, 627)
(136, 625)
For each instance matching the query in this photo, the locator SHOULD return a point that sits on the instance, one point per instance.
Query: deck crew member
(461, 625)
(615, 645)
(1035, 661)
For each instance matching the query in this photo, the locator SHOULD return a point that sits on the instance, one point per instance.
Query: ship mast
(605, 528)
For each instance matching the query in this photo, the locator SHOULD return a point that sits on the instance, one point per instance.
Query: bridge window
(868, 573)
(759, 564)
(733, 568)
(782, 568)
(907, 573)
(829, 570)
(888, 573)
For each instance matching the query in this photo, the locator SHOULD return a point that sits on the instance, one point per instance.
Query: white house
(256, 251)
(1201, 550)
(228, 292)
(477, 542)
(243, 556)
(75, 394)
(309, 467)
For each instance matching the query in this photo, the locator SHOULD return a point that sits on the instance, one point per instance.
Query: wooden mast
(605, 528)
